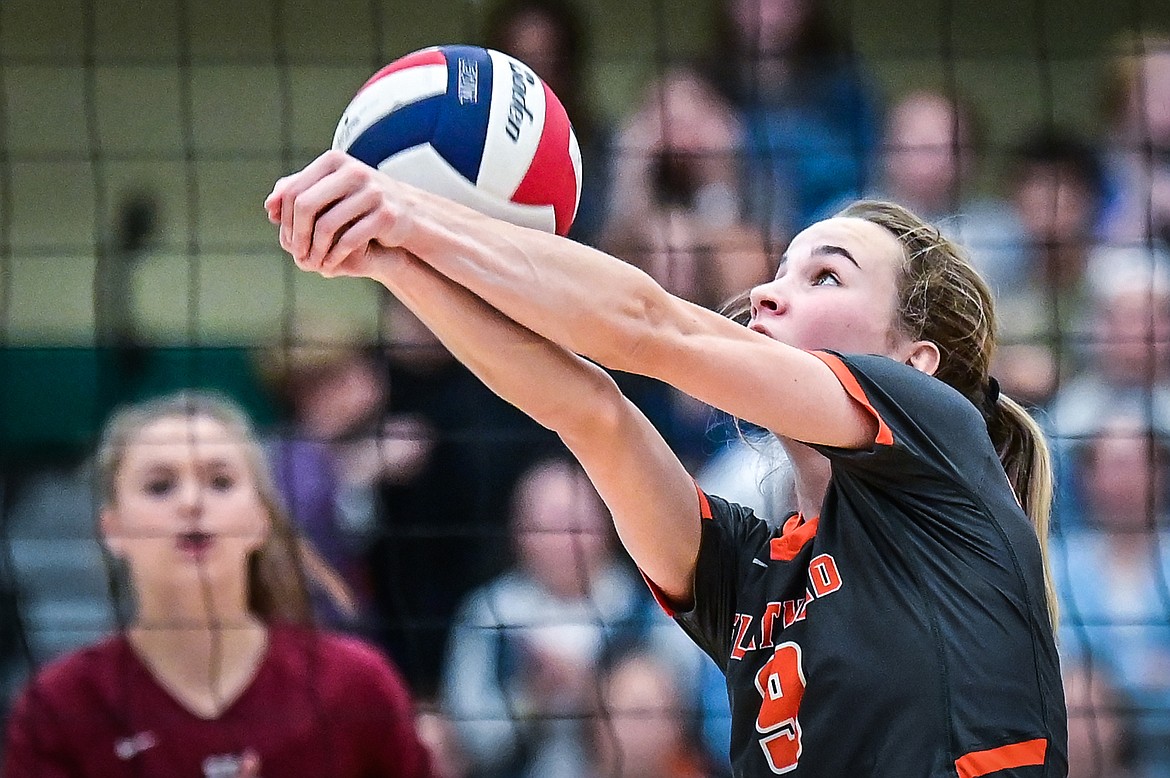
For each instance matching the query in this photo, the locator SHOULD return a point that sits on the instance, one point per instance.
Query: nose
(767, 298)
(190, 498)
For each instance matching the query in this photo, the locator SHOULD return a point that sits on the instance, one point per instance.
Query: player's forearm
(580, 298)
(540, 378)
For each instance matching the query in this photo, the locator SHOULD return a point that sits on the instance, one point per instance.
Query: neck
(811, 473)
(187, 644)
(206, 601)
(204, 668)
(190, 626)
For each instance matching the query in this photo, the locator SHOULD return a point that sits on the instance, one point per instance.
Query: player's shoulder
(332, 658)
(885, 371)
(92, 660)
(85, 673)
(353, 652)
(888, 382)
(738, 523)
(717, 507)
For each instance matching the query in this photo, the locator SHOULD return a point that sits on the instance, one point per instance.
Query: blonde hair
(280, 571)
(943, 299)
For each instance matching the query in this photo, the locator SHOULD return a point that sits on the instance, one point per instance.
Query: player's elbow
(636, 337)
(598, 410)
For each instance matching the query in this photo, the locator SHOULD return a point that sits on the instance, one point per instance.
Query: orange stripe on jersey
(659, 595)
(793, 537)
(884, 436)
(1026, 754)
(704, 504)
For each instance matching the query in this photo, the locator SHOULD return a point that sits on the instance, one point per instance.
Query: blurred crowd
(480, 560)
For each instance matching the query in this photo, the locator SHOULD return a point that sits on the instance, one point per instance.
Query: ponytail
(1023, 451)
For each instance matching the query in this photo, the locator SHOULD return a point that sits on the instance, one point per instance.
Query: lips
(194, 541)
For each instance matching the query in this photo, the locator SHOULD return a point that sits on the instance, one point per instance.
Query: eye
(159, 486)
(826, 278)
(222, 482)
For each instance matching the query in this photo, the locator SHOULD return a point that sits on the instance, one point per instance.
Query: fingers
(273, 202)
(331, 212)
(289, 188)
(334, 223)
(353, 238)
(317, 213)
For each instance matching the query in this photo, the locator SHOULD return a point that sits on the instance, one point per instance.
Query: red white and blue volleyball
(474, 125)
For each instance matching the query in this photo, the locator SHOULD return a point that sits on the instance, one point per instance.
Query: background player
(897, 624)
(219, 674)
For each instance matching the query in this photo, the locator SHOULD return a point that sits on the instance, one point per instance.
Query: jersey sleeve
(732, 536)
(927, 432)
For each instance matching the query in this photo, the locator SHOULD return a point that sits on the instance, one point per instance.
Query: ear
(110, 532)
(924, 356)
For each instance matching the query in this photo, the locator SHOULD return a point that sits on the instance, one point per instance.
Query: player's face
(185, 502)
(836, 288)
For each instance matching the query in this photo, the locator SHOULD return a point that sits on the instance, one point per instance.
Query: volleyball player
(219, 674)
(900, 621)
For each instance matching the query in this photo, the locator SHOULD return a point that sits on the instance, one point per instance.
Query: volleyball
(474, 125)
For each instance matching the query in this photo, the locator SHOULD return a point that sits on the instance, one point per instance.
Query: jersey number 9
(781, 683)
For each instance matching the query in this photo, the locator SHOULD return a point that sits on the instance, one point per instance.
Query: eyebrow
(210, 464)
(823, 250)
(829, 250)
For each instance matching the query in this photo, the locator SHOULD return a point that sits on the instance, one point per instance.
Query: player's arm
(587, 301)
(651, 496)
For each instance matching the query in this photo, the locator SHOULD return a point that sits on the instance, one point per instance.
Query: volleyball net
(138, 141)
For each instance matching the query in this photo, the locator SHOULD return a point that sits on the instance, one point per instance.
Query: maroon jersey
(903, 632)
(320, 705)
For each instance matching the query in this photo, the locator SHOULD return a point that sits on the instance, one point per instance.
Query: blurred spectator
(521, 669)
(1137, 154)
(809, 111)
(1126, 349)
(551, 37)
(331, 454)
(1123, 353)
(929, 163)
(678, 150)
(442, 530)
(1056, 189)
(1098, 732)
(754, 472)
(700, 262)
(645, 727)
(1111, 571)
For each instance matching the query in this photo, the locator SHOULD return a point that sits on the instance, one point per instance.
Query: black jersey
(903, 632)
